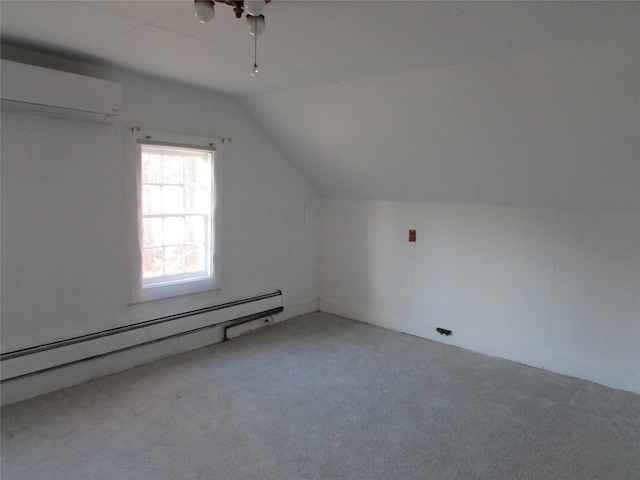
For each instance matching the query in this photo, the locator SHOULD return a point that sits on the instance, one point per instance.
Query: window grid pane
(176, 213)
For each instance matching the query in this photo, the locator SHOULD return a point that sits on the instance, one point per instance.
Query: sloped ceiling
(554, 127)
(509, 103)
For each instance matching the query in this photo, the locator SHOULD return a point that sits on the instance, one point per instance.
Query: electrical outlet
(444, 331)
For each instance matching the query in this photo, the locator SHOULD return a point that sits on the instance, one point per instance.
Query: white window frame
(146, 290)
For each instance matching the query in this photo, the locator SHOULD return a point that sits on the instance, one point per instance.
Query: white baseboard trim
(74, 374)
(610, 376)
(300, 308)
(46, 382)
(51, 367)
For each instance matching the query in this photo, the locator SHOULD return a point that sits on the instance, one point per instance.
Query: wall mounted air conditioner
(42, 91)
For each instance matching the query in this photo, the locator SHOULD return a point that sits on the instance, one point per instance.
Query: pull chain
(255, 48)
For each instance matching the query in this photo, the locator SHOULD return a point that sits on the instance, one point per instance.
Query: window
(175, 227)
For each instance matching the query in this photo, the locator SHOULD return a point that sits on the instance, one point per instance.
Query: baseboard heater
(50, 356)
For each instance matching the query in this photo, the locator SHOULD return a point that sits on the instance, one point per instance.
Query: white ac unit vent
(42, 91)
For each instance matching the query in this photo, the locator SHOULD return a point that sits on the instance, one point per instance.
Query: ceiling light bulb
(255, 7)
(255, 24)
(255, 71)
(204, 10)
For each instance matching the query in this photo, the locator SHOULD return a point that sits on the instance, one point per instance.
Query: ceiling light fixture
(204, 10)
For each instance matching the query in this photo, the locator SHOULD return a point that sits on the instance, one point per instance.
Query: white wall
(552, 288)
(66, 205)
(521, 175)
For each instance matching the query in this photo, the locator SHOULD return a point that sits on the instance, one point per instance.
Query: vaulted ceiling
(511, 103)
